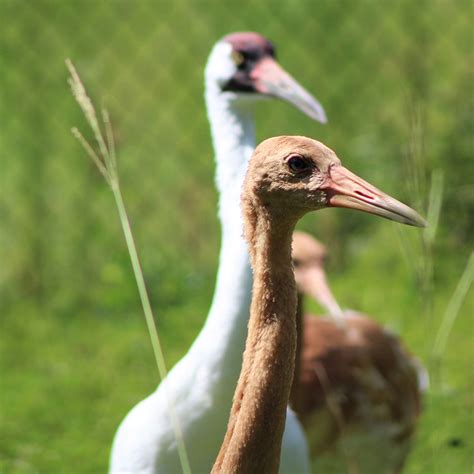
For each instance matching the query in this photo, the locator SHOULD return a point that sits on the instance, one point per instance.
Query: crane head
(244, 65)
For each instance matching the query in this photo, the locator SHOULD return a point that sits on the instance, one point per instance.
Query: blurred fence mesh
(395, 79)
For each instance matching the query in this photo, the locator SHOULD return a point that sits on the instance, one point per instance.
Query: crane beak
(345, 189)
(312, 281)
(269, 78)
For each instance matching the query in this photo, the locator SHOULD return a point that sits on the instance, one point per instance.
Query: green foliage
(396, 81)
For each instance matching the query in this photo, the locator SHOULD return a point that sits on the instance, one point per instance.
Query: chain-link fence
(377, 67)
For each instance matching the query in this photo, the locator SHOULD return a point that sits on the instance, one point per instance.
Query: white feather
(202, 384)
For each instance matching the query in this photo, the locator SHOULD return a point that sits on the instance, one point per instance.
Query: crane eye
(237, 57)
(297, 164)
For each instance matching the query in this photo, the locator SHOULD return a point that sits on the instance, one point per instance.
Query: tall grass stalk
(419, 248)
(428, 239)
(452, 312)
(106, 162)
(415, 173)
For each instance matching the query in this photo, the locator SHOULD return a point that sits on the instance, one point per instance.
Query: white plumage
(203, 382)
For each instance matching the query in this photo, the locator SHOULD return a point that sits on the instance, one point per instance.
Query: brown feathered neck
(254, 433)
(296, 389)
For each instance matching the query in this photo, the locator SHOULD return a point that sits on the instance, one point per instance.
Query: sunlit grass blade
(415, 171)
(106, 163)
(452, 311)
(110, 139)
(434, 206)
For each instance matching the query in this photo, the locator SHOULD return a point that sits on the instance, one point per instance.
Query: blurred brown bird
(356, 389)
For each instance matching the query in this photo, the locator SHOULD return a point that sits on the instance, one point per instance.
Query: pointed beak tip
(317, 113)
(321, 118)
(421, 222)
(409, 217)
(414, 219)
(317, 116)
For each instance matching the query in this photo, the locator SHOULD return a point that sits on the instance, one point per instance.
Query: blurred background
(395, 79)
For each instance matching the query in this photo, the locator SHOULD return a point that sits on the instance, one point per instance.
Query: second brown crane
(356, 388)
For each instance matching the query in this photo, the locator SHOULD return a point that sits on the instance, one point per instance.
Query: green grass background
(396, 81)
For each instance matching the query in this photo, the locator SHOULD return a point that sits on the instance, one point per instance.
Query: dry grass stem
(92, 154)
(106, 163)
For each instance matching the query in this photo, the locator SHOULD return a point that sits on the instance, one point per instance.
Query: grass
(74, 378)
(452, 312)
(70, 387)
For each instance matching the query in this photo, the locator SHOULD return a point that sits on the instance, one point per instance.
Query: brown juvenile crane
(356, 389)
(287, 178)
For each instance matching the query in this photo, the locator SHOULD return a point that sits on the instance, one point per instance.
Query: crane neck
(296, 388)
(254, 433)
(233, 136)
(221, 342)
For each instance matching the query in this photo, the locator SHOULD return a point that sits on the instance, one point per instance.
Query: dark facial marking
(250, 48)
